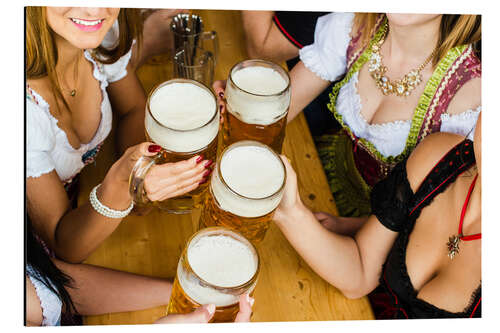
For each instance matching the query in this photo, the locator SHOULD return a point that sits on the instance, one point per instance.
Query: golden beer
(245, 189)
(182, 117)
(216, 267)
(257, 99)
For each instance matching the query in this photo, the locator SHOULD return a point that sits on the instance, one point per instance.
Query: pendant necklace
(454, 241)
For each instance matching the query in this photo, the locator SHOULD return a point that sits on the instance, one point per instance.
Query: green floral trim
(422, 105)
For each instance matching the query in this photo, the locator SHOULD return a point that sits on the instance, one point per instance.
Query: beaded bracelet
(106, 211)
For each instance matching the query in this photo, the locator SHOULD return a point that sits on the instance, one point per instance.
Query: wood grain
(288, 290)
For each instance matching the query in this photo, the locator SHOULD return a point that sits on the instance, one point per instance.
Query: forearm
(334, 257)
(99, 290)
(81, 230)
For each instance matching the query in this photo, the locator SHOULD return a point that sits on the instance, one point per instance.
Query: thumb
(321, 216)
(246, 303)
(203, 314)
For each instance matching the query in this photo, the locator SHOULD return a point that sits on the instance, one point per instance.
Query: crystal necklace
(401, 87)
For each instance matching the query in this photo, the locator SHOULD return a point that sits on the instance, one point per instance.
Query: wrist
(289, 214)
(114, 193)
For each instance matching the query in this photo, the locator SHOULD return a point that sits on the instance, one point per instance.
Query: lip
(88, 28)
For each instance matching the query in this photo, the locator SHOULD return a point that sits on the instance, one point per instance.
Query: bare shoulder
(427, 154)
(468, 97)
(34, 316)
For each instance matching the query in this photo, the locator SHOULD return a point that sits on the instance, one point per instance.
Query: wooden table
(288, 290)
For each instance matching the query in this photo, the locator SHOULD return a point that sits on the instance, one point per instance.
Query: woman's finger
(175, 189)
(202, 314)
(246, 303)
(160, 176)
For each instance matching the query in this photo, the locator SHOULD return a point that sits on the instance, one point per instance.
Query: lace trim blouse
(47, 146)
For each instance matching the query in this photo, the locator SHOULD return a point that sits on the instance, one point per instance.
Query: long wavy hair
(455, 30)
(41, 50)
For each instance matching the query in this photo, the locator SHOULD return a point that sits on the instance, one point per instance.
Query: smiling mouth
(87, 23)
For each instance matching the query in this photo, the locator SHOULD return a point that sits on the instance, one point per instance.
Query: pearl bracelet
(106, 211)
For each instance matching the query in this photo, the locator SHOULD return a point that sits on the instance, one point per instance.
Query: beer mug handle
(213, 36)
(136, 179)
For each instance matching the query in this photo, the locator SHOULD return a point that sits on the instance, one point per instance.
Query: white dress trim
(49, 301)
(48, 147)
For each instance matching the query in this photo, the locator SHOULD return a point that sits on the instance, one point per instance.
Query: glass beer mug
(183, 118)
(216, 267)
(245, 189)
(257, 98)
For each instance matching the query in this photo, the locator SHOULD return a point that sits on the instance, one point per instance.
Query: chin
(410, 19)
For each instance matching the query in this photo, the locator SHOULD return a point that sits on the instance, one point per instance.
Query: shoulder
(34, 315)
(427, 153)
(468, 97)
(118, 69)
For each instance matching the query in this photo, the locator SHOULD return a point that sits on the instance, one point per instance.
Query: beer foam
(221, 261)
(180, 109)
(253, 172)
(267, 106)
(259, 80)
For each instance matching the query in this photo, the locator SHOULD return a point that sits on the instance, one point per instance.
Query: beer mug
(216, 267)
(198, 67)
(257, 98)
(188, 32)
(245, 189)
(183, 118)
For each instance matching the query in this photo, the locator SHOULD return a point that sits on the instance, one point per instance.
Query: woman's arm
(305, 87)
(74, 234)
(97, 290)
(353, 265)
(263, 38)
(128, 100)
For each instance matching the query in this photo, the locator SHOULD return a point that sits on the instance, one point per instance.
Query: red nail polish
(154, 149)
(199, 159)
(209, 163)
(206, 173)
(221, 94)
(203, 181)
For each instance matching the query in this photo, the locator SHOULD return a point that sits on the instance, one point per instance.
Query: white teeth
(86, 23)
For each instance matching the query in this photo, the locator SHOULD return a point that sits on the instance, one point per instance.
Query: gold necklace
(72, 92)
(401, 87)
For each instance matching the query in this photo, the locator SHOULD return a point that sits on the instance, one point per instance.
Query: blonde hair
(41, 51)
(454, 30)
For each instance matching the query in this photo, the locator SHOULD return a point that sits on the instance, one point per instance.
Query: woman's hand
(291, 198)
(219, 88)
(162, 181)
(204, 313)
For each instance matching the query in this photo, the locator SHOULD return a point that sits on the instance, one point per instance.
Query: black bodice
(397, 208)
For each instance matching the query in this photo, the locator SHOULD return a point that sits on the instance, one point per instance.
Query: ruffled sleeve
(326, 57)
(40, 141)
(391, 199)
(462, 123)
(117, 70)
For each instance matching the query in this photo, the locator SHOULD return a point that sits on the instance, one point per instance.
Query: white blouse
(327, 58)
(47, 146)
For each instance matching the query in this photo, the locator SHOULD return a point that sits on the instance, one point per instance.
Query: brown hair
(41, 50)
(455, 30)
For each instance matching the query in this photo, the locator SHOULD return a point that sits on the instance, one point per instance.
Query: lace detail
(327, 56)
(66, 160)
(463, 123)
(49, 301)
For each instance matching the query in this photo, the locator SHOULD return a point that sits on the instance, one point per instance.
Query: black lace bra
(393, 201)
